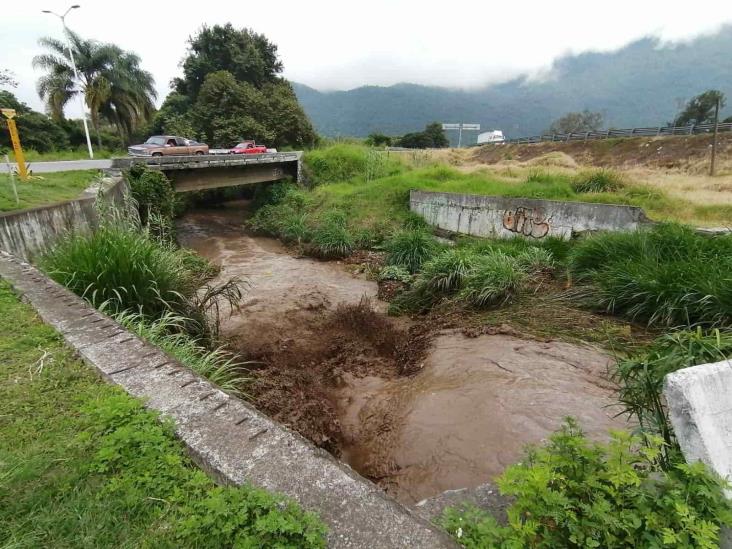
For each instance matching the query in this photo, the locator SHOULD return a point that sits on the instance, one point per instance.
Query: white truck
(494, 136)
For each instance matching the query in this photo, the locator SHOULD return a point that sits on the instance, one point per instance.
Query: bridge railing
(204, 160)
(626, 132)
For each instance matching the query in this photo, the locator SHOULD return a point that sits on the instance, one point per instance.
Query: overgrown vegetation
(668, 275)
(576, 493)
(43, 189)
(91, 467)
(640, 379)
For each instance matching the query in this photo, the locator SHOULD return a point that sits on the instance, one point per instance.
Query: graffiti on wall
(526, 221)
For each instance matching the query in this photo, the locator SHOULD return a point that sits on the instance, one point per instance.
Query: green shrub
(331, 239)
(495, 280)
(640, 377)
(271, 193)
(574, 493)
(394, 272)
(535, 260)
(597, 181)
(153, 193)
(410, 249)
(447, 271)
(336, 163)
(668, 275)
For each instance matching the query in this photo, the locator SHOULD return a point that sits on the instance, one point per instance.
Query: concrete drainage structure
(508, 217)
(225, 436)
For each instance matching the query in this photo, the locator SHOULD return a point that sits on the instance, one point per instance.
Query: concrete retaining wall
(30, 233)
(227, 437)
(505, 217)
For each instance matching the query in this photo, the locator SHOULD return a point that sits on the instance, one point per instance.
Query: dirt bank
(689, 154)
(419, 407)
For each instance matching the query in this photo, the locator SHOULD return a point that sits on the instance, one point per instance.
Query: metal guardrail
(629, 132)
(205, 160)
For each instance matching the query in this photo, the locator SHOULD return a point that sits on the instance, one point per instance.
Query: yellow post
(15, 140)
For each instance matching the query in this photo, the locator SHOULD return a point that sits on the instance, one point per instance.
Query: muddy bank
(415, 407)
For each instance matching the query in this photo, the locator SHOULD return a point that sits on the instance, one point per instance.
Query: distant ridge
(641, 84)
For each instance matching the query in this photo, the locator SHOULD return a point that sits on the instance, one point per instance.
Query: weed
(597, 181)
(154, 195)
(577, 493)
(535, 260)
(331, 239)
(495, 280)
(395, 272)
(410, 249)
(446, 272)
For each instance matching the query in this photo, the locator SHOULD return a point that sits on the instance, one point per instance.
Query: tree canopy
(230, 90)
(432, 137)
(577, 122)
(700, 109)
(37, 131)
(112, 83)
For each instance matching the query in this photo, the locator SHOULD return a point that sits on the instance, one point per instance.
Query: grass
(78, 154)
(44, 189)
(84, 465)
(410, 249)
(668, 275)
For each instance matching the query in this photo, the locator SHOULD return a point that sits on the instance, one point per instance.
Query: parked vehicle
(495, 136)
(248, 147)
(165, 145)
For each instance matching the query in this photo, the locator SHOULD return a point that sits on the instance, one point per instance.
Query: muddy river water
(459, 421)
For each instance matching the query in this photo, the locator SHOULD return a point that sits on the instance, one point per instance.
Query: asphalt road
(61, 166)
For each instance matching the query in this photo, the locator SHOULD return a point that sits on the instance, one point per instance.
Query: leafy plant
(153, 193)
(394, 272)
(410, 249)
(495, 280)
(640, 378)
(597, 181)
(575, 493)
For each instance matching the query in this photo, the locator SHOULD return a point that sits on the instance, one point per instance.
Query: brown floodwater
(459, 421)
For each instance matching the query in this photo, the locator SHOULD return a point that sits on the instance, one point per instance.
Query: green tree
(378, 140)
(700, 109)
(7, 78)
(113, 84)
(37, 131)
(577, 122)
(247, 55)
(433, 136)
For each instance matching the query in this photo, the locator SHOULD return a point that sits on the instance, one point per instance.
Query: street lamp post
(76, 74)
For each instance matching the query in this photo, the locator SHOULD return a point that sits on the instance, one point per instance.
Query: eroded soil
(420, 407)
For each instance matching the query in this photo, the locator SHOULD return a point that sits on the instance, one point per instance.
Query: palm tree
(113, 84)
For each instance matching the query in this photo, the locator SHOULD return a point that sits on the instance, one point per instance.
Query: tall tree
(577, 122)
(113, 84)
(7, 78)
(700, 109)
(247, 55)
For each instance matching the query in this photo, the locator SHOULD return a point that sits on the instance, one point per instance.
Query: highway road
(61, 166)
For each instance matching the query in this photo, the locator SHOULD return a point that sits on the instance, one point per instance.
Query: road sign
(451, 126)
(475, 127)
(15, 140)
(460, 127)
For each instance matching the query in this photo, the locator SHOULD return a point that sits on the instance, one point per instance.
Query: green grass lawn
(43, 189)
(79, 154)
(84, 465)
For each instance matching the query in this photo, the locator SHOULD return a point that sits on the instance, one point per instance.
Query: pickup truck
(248, 147)
(165, 145)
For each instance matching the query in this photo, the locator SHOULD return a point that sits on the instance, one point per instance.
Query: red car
(248, 147)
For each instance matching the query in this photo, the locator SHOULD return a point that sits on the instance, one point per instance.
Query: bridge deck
(167, 163)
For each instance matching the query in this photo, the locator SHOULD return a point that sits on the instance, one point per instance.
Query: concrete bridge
(212, 171)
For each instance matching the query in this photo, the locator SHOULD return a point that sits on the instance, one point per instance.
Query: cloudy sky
(330, 44)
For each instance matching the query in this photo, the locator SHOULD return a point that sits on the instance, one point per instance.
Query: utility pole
(714, 139)
(76, 74)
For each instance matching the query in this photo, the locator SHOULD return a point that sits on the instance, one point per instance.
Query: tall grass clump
(640, 377)
(410, 248)
(155, 198)
(597, 181)
(168, 332)
(331, 238)
(667, 275)
(495, 280)
(446, 272)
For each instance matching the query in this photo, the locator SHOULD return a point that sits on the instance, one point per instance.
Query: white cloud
(331, 44)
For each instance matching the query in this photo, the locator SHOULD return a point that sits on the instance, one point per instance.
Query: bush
(331, 239)
(495, 280)
(668, 275)
(394, 272)
(410, 249)
(153, 193)
(535, 260)
(446, 272)
(597, 181)
(575, 493)
(640, 378)
(336, 163)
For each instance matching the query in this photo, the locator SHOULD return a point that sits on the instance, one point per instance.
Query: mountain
(641, 84)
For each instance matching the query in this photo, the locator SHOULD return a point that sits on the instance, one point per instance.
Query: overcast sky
(341, 45)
